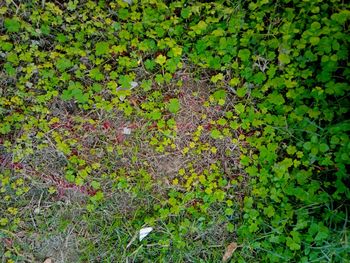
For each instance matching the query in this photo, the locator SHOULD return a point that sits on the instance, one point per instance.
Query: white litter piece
(144, 232)
(126, 131)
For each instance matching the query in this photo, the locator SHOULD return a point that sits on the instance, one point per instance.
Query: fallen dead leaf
(48, 260)
(229, 251)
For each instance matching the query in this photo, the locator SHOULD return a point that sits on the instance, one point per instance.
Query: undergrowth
(214, 122)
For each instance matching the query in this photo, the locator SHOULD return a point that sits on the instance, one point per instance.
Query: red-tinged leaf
(106, 125)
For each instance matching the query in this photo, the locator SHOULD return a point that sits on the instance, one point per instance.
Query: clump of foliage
(263, 152)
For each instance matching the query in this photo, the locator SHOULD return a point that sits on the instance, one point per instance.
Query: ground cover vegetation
(221, 124)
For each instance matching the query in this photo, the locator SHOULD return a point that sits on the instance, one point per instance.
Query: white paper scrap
(144, 232)
(126, 131)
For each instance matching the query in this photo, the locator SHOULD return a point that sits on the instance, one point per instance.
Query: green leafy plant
(201, 119)
(174, 105)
